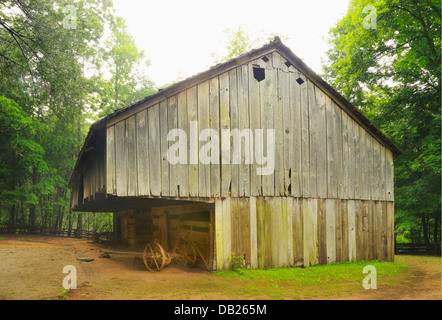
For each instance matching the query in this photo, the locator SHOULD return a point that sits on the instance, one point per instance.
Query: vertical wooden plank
(267, 90)
(338, 223)
(110, 160)
(132, 157)
(183, 124)
(330, 211)
(154, 150)
(314, 138)
(255, 124)
(214, 122)
(121, 158)
(224, 90)
(344, 225)
(359, 234)
(284, 87)
(253, 233)
(382, 175)
(260, 240)
(338, 150)
(212, 238)
(370, 242)
(357, 160)
(283, 227)
(192, 114)
(311, 251)
(351, 158)
(305, 136)
(376, 186)
(345, 190)
(244, 211)
(226, 233)
(268, 206)
(244, 124)
(332, 151)
(321, 168)
(390, 231)
(219, 236)
(389, 175)
(322, 231)
(275, 229)
(384, 226)
(235, 227)
(172, 123)
(203, 124)
(289, 213)
(314, 254)
(365, 231)
(279, 125)
(234, 124)
(295, 144)
(363, 165)
(142, 154)
(351, 230)
(370, 168)
(298, 228)
(164, 147)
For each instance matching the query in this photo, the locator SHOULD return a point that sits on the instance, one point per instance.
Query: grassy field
(300, 283)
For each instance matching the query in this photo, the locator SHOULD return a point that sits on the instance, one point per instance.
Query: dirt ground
(31, 268)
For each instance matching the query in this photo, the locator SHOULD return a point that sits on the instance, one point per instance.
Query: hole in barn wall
(288, 64)
(300, 81)
(259, 73)
(265, 59)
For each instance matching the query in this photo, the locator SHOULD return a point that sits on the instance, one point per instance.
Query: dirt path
(31, 268)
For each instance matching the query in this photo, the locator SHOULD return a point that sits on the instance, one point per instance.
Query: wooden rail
(73, 233)
(418, 248)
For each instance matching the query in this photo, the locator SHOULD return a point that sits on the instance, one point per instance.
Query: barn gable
(264, 111)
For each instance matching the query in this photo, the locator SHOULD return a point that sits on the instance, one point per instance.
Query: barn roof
(277, 45)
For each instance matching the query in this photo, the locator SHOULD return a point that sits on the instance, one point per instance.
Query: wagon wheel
(154, 257)
(186, 254)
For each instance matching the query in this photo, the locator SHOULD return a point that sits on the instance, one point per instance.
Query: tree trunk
(11, 223)
(70, 222)
(60, 221)
(425, 231)
(436, 228)
(32, 218)
(79, 225)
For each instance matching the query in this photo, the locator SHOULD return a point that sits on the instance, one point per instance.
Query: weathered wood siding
(321, 152)
(285, 231)
(94, 175)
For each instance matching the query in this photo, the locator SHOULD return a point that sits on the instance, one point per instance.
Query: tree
(126, 64)
(239, 41)
(390, 69)
(50, 55)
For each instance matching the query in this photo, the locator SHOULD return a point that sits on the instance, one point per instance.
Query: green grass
(2, 238)
(318, 274)
(322, 280)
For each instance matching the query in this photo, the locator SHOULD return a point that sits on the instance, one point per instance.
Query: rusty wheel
(154, 257)
(186, 253)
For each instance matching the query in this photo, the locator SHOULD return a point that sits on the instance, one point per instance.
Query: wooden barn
(256, 157)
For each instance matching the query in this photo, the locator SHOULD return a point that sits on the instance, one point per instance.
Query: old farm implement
(155, 258)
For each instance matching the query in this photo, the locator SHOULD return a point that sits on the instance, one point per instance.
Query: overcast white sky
(179, 36)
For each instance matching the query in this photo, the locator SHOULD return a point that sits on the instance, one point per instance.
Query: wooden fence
(51, 231)
(418, 248)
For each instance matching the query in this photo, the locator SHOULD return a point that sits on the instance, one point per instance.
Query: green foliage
(237, 262)
(239, 41)
(53, 85)
(392, 73)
